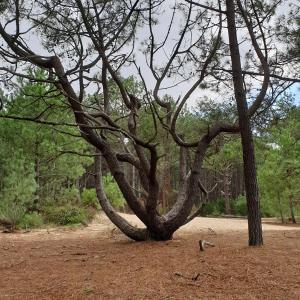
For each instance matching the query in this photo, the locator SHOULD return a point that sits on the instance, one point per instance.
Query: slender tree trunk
(183, 164)
(280, 208)
(166, 174)
(227, 189)
(292, 211)
(37, 176)
(252, 195)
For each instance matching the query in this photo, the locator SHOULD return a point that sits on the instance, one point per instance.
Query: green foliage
(11, 214)
(35, 169)
(18, 184)
(32, 220)
(240, 206)
(225, 153)
(113, 192)
(89, 198)
(65, 215)
(278, 159)
(210, 111)
(279, 171)
(214, 208)
(69, 196)
(217, 208)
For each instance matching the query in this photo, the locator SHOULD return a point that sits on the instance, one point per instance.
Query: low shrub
(113, 192)
(214, 208)
(89, 198)
(11, 215)
(32, 220)
(70, 196)
(240, 206)
(65, 215)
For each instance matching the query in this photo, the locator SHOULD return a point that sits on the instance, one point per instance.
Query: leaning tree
(224, 49)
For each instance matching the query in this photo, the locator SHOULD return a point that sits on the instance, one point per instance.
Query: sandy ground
(102, 226)
(220, 224)
(98, 262)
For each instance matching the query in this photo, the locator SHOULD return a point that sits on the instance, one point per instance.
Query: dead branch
(203, 244)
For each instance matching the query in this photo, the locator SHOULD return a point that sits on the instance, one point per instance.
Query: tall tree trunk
(251, 187)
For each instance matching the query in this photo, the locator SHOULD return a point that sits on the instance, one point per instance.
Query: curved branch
(132, 232)
(198, 211)
(185, 200)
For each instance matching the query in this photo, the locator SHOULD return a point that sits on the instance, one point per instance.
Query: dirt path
(96, 262)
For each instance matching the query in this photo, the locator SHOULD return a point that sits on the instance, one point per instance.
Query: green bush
(240, 206)
(65, 215)
(19, 185)
(11, 215)
(89, 198)
(70, 196)
(214, 208)
(32, 220)
(113, 192)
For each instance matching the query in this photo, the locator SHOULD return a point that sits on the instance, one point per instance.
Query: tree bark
(251, 187)
(292, 211)
(280, 208)
(129, 230)
(227, 178)
(37, 174)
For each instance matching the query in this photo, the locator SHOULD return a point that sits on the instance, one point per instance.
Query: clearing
(97, 262)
